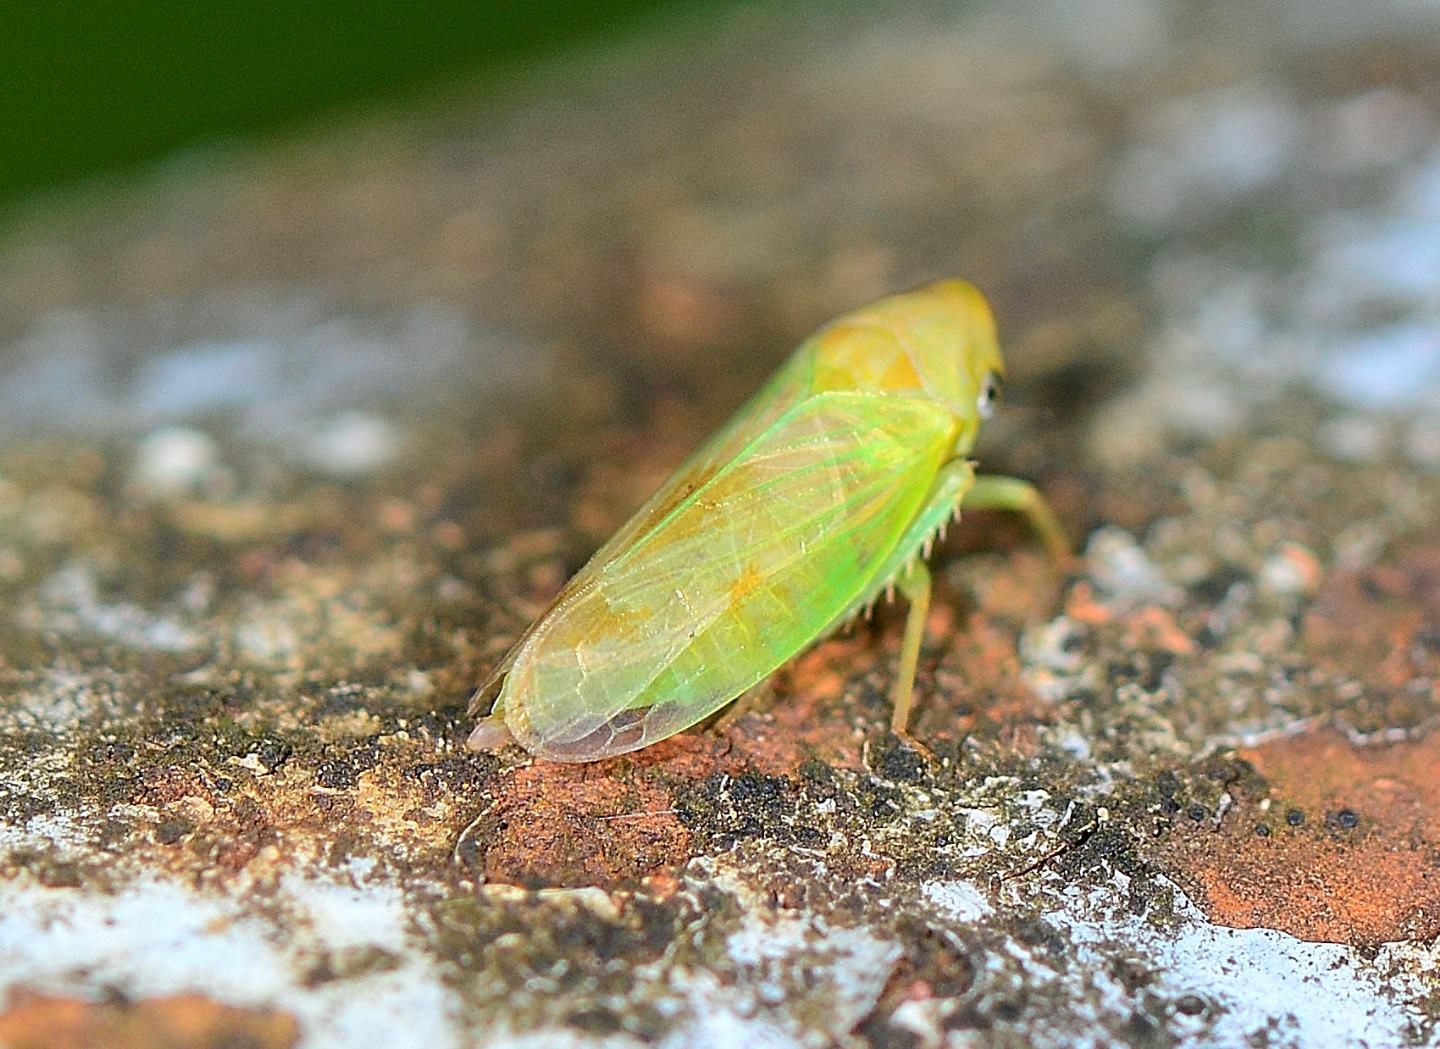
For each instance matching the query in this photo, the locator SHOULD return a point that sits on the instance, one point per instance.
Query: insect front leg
(992, 492)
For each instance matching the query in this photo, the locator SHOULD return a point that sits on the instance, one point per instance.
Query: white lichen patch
(1350, 312)
(960, 901)
(295, 375)
(1120, 566)
(1196, 153)
(776, 952)
(57, 701)
(174, 460)
(351, 444)
(70, 603)
(315, 613)
(61, 832)
(158, 937)
(1251, 983)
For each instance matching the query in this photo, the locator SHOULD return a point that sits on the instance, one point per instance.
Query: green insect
(820, 494)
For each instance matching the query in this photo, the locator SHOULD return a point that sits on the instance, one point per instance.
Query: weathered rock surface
(295, 438)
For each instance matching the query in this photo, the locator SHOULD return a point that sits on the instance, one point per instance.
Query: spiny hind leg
(907, 571)
(992, 492)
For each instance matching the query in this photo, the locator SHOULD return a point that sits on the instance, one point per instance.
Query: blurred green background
(92, 88)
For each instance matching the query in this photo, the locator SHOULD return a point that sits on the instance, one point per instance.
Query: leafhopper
(822, 493)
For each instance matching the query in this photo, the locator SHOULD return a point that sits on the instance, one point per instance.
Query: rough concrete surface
(295, 438)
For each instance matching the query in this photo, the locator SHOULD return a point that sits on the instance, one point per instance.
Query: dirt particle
(171, 831)
(1190, 1005)
(336, 775)
(1344, 820)
(271, 752)
(897, 761)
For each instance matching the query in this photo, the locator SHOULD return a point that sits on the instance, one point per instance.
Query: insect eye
(991, 392)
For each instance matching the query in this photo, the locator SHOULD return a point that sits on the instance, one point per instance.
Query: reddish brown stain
(40, 1021)
(810, 709)
(615, 822)
(1347, 850)
(1381, 625)
(603, 823)
(1152, 628)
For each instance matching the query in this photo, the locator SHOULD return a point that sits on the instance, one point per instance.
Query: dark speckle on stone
(1213, 588)
(897, 761)
(1294, 817)
(271, 752)
(1008, 1010)
(1167, 783)
(1141, 1030)
(60, 875)
(818, 776)
(460, 774)
(171, 831)
(596, 1020)
(1345, 819)
(881, 1032)
(1190, 1005)
(1036, 932)
(762, 792)
(1157, 664)
(336, 775)
(880, 801)
(116, 752)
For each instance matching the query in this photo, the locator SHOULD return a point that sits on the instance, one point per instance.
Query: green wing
(786, 388)
(719, 585)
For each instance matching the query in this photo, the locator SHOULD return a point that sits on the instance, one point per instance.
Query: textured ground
(295, 439)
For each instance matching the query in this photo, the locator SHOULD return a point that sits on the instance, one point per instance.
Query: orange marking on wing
(749, 581)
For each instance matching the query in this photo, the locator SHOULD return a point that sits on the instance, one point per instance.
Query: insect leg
(915, 585)
(991, 492)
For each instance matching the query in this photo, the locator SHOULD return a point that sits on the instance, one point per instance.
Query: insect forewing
(719, 585)
(786, 388)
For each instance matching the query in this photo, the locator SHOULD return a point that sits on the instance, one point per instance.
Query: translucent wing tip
(487, 690)
(490, 734)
